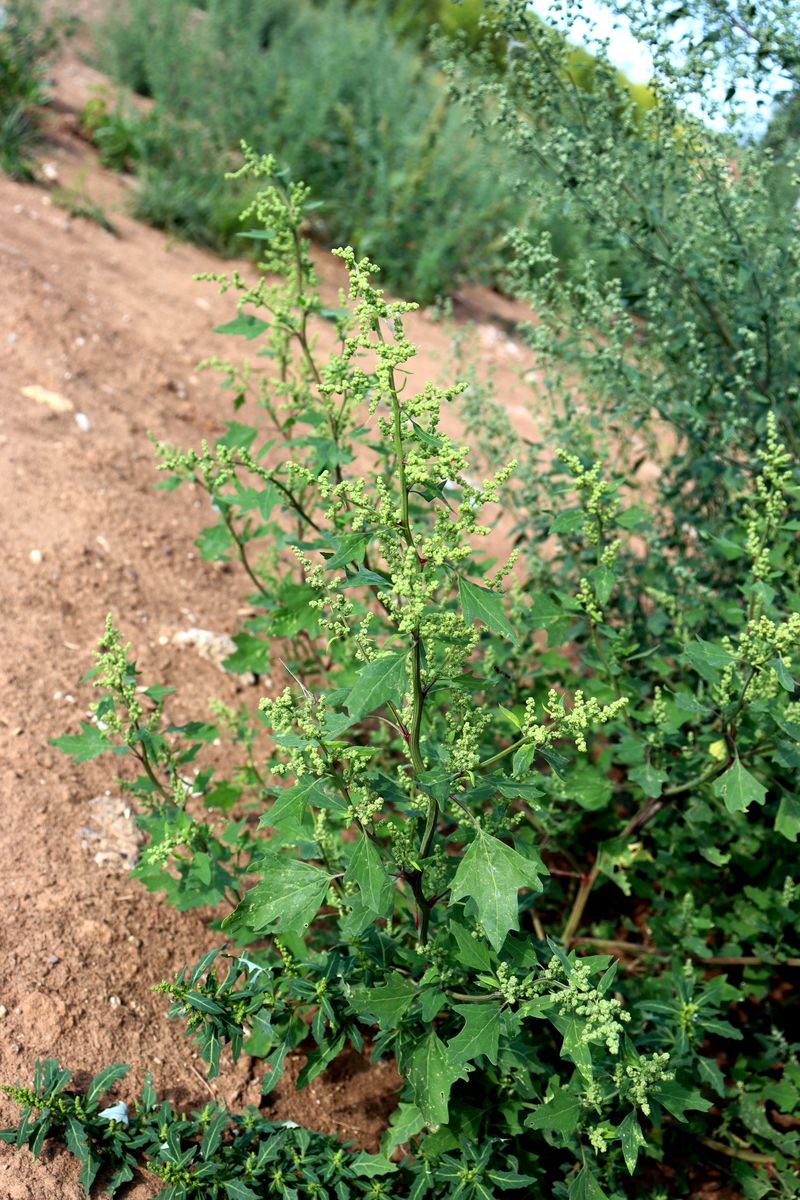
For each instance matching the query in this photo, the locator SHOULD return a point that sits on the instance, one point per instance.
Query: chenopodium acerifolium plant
(442, 802)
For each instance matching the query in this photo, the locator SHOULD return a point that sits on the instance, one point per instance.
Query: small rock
(82, 421)
(112, 837)
(53, 958)
(36, 557)
(52, 400)
(114, 1001)
(213, 647)
(50, 171)
(3, 1011)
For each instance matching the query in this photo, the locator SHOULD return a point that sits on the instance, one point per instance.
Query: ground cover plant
(451, 831)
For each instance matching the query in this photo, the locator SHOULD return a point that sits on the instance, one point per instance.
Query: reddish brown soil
(116, 326)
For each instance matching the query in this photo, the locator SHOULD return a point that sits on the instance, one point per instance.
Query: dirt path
(115, 326)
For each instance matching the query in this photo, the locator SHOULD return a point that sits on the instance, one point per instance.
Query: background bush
(25, 42)
(345, 103)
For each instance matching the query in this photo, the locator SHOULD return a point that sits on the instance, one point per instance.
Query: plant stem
(465, 998)
(637, 950)
(745, 1155)
(637, 822)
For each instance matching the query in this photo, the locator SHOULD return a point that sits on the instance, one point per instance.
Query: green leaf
(367, 872)
(238, 436)
(782, 674)
(236, 1190)
(386, 1004)
(213, 541)
(588, 786)
(349, 548)
(545, 613)
(404, 1123)
(431, 1077)
(75, 1137)
(632, 1140)
(244, 325)
(738, 788)
(602, 580)
(560, 1113)
(212, 1137)
(631, 518)
(378, 683)
(585, 1187)
(289, 812)
(258, 235)
(472, 952)
(251, 654)
(289, 893)
(480, 1033)
(649, 778)
(787, 819)
(481, 604)
(104, 1079)
(568, 521)
(492, 874)
(572, 1029)
(677, 1100)
(89, 743)
(509, 1180)
(708, 659)
(204, 1004)
(370, 1165)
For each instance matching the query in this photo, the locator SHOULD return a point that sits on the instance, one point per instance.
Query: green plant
(362, 116)
(683, 304)
(25, 43)
(78, 203)
(452, 832)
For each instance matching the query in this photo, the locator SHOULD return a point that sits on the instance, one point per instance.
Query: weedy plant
(445, 834)
(26, 41)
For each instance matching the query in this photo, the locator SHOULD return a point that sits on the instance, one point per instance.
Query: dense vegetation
(25, 43)
(348, 105)
(488, 786)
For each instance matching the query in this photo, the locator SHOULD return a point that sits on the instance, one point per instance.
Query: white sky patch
(600, 24)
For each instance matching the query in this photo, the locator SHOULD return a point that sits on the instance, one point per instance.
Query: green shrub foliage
(683, 301)
(483, 789)
(356, 112)
(25, 43)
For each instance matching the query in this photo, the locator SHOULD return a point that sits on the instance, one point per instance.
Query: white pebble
(82, 421)
(36, 556)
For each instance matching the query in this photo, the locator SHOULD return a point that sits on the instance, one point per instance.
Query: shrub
(25, 43)
(455, 834)
(683, 304)
(347, 106)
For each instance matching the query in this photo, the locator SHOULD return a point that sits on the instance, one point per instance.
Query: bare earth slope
(115, 327)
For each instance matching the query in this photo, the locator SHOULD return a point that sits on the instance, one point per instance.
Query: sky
(631, 57)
